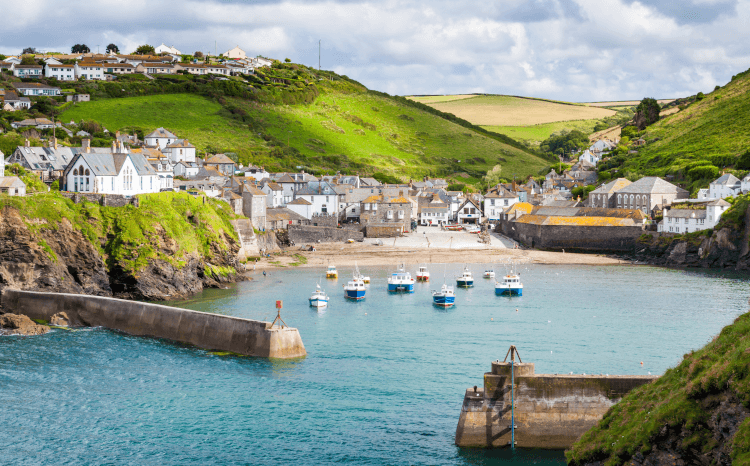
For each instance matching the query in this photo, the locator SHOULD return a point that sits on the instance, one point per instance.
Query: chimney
(86, 145)
(117, 135)
(54, 143)
(26, 143)
(114, 147)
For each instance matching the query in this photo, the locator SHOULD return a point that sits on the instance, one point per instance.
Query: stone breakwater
(200, 329)
(551, 411)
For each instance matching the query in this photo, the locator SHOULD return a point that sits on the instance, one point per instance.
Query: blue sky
(575, 50)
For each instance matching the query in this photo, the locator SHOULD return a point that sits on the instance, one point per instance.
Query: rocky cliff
(171, 246)
(727, 246)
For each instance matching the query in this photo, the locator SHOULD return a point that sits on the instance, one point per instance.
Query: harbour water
(382, 383)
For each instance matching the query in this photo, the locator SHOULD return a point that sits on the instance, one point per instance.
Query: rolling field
(354, 132)
(432, 99)
(517, 111)
(535, 134)
(623, 103)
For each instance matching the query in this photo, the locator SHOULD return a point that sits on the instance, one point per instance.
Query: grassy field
(517, 111)
(432, 99)
(535, 134)
(347, 131)
(623, 103)
(712, 131)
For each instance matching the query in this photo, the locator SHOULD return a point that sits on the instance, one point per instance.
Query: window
(390, 215)
(400, 214)
(492, 202)
(506, 202)
(374, 207)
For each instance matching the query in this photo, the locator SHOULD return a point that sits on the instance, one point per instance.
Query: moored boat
(511, 284)
(355, 288)
(445, 297)
(489, 273)
(423, 275)
(318, 298)
(466, 279)
(401, 280)
(331, 272)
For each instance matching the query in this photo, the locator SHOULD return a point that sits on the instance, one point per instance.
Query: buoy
(365, 313)
(641, 363)
(491, 318)
(516, 309)
(549, 321)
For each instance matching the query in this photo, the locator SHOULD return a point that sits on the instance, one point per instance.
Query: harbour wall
(204, 330)
(321, 234)
(551, 411)
(597, 238)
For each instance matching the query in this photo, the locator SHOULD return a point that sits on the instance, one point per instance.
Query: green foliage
(582, 192)
(708, 172)
(678, 399)
(29, 60)
(743, 162)
(144, 50)
(112, 48)
(734, 217)
(80, 48)
(492, 177)
(34, 184)
(647, 113)
(565, 143)
(28, 51)
(700, 96)
(629, 132)
(385, 178)
(456, 187)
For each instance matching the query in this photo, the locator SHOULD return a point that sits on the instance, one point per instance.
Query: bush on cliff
(694, 410)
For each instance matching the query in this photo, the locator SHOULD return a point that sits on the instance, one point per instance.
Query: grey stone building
(386, 211)
(648, 193)
(254, 205)
(604, 195)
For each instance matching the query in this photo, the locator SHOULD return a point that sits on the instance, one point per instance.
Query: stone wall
(324, 220)
(107, 200)
(382, 231)
(300, 234)
(551, 411)
(204, 330)
(595, 238)
(249, 246)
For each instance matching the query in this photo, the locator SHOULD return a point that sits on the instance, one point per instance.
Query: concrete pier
(204, 330)
(551, 411)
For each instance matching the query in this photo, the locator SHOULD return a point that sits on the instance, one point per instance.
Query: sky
(571, 50)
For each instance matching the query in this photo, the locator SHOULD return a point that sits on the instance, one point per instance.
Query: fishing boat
(466, 279)
(331, 272)
(489, 273)
(318, 298)
(423, 275)
(355, 288)
(511, 284)
(452, 227)
(445, 297)
(401, 280)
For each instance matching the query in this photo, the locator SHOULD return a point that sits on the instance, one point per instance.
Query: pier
(200, 329)
(537, 410)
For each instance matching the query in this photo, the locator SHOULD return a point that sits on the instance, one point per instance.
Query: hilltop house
(235, 53)
(166, 49)
(60, 72)
(160, 138)
(693, 217)
(89, 70)
(28, 71)
(726, 185)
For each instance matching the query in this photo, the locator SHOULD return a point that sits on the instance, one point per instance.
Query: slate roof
(219, 158)
(273, 186)
(652, 185)
(612, 186)
(282, 213)
(685, 213)
(161, 133)
(317, 188)
(727, 179)
(300, 201)
(11, 182)
(180, 143)
(719, 202)
(588, 212)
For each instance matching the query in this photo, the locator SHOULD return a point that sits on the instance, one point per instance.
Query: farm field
(623, 103)
(431, 99)
(517, 111)
(356, 132)
(535, 134)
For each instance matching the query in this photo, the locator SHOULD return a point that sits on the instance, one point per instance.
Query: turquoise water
(383, 381)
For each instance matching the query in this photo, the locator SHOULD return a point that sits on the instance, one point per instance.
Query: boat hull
(314, 302)
(444, 301)
(405, 287)
(508, 291)
(332, 275)
(423, 278)
(464, 283)
(354, 294)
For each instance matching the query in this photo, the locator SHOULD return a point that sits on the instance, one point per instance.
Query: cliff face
(125, 252)
(725, 247)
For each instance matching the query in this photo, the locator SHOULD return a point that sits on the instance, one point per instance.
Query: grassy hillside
(711, 132)
(345, 127)
(535, 134)
(683, 412)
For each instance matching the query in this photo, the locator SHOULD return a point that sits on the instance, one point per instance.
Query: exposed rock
(60, 319)
(14, 324)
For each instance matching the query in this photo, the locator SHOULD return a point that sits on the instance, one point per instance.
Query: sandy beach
(424, 247)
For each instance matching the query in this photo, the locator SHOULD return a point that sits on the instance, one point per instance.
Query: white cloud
(575, 50)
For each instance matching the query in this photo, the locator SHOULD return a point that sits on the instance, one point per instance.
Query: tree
(145, 50)
(492, 177)
(288, 60)
(112, 48)
(28, 51)
(743, 162)
(647, 113)
(565, 142)
(28, 60)
(198, 54)
(80, 48)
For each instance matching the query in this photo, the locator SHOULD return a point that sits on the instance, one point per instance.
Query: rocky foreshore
(14, 324)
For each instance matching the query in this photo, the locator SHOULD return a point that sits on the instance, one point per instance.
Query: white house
(699, 217)
(257, 173)
(180, 150)
(469, 212)
(262, 61)
(28, 71)
(302, 207)
(496, 203)
(160, 138)
(89, 70)
(274, 193)
(186, 169)
(235, 53)
(745, 184)
(590, 157)
(166, 49)
(36, 89)
(60, 72)
(118, 172)
(321, 195)
(725, 186)
(434, 213)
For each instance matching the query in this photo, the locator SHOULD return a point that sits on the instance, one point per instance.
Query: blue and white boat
(401, 280)
(319, 298)
(355, 288)
(445, 297)
(511, 284)
(466, 279)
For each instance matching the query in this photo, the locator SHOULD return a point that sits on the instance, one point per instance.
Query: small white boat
(489, 273)
(423, 275)
(318, 298)
(445, 297)
(331, 272)
(401, 280)
(466, 279)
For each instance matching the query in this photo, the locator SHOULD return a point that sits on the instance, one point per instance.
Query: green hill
(330, 125)
(711, 132)
(697, 412)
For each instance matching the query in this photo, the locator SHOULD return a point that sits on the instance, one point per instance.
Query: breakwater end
(550, 411)
(203, 330)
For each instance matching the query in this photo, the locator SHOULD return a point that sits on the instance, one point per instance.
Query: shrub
(702, 172)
